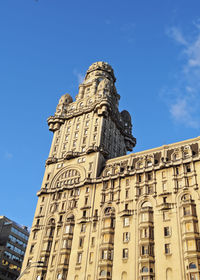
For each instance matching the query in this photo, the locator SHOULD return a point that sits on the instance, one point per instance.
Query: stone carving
(64, 101)
(68, 177)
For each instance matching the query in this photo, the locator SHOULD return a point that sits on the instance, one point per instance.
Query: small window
(188, 168)
(126, 236)
(166, 231)
(86, 200)
(126, 222)
(149, 163)
(127, 194)
(87, 190)
(149, 176)
(192, 266)
(125, 253)
(91, 257)
(145, 269)
(165, 215)
(84, 213)
(186, 211)
(83, 227)
(81, 239)
(79, 258)
(102, 273)
(92, 241)
(167, 249)
(145, 250)
(83, 149)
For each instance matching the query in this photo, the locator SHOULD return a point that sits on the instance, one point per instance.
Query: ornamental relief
(68, 177)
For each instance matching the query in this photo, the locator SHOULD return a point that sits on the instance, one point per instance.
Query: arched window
(145, 269)
(124, 276)
(146, 204)
(52, 221)
(186, 197)
(103, 273)
(59, 276)
(192, 266)
(168, 273)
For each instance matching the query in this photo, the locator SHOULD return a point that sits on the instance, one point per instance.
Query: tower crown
(99, 69)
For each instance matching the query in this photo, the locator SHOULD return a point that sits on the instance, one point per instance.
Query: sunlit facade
(105, 215)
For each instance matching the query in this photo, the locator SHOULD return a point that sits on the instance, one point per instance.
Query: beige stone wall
(105, 215)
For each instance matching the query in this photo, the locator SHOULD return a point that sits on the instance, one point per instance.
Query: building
(105, 215)
(13, 242)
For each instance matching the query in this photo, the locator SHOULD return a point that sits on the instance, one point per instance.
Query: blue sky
(47, 45)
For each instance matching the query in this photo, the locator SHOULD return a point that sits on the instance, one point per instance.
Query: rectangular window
(188, 168)
(145, 250)
(86, 200)
(127, 182)
(149, 176)
(167, 249)
(186, 211)
(167, 231)
(84, 140)
(93, 241)
(91, 257)
(164, 186)
(81, 240)
(68, 229)
(79, 258)
(126, 236)
(83, 149)
(104, 254)
(127, 194)
(144, 217)
(125, 253)
(126, 222)
(83, 227)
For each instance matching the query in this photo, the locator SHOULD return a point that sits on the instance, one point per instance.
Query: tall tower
(105, 215)
(86, 133)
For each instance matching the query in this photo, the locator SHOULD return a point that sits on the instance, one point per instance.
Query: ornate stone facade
(105, 215)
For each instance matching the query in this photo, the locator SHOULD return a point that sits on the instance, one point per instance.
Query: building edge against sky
(102, 214)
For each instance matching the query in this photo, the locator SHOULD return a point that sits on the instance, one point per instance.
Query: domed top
(102, 66)
(66, 98)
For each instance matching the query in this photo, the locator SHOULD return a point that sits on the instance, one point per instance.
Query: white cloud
(80, 77)
(184, 99)
(176, 34)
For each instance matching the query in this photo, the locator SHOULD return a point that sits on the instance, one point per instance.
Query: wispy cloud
(8, 155)
(183, 99)
(79, 76)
